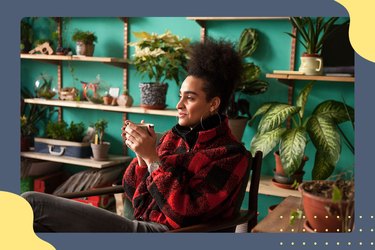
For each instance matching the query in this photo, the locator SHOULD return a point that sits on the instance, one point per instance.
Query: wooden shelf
(268, 188)
(89, 105)
(312, 78)
(236, 18)
(87, 162)
(120, 62)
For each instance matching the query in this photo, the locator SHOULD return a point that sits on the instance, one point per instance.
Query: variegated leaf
(323, 168)
(266, 142)
(275, 116)
(335, 110)
(292, 149)
(262, 109)
(324, 135)
(302, 98)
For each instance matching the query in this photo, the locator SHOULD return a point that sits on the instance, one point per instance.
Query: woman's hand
(141, 141)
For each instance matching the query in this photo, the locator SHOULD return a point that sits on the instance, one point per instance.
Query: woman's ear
(215, 103)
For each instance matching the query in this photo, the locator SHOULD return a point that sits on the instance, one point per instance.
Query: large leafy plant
(250, 83)
(312, 32)
(33, 116)
(160, 57)
(321, 127)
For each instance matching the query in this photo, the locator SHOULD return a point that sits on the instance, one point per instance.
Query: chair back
(256, 166)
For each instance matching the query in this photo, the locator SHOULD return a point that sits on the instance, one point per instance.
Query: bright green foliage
(321, 126)
(160, 57)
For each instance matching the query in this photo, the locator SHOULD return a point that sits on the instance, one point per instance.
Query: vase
(153, 95)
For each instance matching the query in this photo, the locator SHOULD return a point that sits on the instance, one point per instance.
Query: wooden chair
(245, 218)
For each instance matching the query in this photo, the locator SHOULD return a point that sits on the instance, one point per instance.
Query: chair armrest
(217, 225)
(93, 192)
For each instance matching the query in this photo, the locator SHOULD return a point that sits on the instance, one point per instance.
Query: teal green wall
(273, 53)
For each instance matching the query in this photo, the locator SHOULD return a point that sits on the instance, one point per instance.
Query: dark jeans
(55, 214)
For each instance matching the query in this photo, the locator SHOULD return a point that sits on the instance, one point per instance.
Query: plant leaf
(323, 168)
(266, 142)
(261, 110)
(302, 98)
(324, 135)
(292, 149)
(248, 42)
(275, 116)
(336, 194)
(337, 111)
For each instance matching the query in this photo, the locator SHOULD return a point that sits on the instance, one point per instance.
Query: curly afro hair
(219, 65)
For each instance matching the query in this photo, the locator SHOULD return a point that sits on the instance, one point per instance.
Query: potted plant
(63, 140)
(31, 117)
(321, 127)
(84, 42)
(99, 146)
(250, 83)
(160, 58)
(312, 34)
(26, 35)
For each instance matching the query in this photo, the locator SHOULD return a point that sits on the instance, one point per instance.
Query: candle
(96, 138)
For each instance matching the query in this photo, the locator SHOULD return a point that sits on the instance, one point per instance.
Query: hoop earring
(202, 123)
(217, 113)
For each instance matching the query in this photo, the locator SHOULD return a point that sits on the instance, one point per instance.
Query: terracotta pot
(316, 211)
(237, 126)
(107, 100)
(279, 166)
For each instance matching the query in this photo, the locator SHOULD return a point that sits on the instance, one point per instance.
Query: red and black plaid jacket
(192, 185)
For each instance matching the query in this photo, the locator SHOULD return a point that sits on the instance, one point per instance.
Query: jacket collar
(207, 129)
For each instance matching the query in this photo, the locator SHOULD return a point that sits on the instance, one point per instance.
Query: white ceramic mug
(311, 65)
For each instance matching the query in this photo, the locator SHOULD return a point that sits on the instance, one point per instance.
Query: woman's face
(193, 104)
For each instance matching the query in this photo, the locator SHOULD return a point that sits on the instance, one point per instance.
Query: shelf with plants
(89, 105)
(120, 62)
(113, 160)
(285, 77)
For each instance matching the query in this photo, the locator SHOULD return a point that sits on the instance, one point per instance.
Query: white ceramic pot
(311, 65)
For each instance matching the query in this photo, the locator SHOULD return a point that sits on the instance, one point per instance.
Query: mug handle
(320, 64)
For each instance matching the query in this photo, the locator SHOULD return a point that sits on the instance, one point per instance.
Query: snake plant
(321, 127)
(313, 32)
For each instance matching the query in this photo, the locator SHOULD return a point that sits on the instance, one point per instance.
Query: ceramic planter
(311, 65)
(153, 95)
(100, 151)
(83, 49)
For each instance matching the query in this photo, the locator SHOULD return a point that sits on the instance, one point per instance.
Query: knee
(30, 196)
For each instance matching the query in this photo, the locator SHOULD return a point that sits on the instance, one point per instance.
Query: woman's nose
(179, 104)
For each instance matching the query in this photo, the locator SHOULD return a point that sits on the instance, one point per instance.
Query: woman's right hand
(141, 162)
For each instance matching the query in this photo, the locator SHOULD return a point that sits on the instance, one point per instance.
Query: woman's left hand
(141, 141)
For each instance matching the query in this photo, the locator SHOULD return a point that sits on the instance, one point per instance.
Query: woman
(193, 175)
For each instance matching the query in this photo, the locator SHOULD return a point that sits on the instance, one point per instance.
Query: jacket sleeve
(133, 176)
(189, 187)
